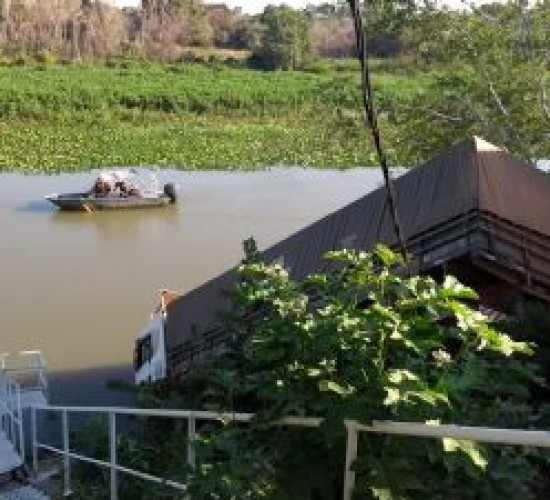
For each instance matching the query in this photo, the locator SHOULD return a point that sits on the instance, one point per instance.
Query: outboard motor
(171, 191)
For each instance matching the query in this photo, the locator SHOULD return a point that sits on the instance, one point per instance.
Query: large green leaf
(331, 386)
(475, 452)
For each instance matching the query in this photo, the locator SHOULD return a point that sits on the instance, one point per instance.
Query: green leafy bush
(361, 342)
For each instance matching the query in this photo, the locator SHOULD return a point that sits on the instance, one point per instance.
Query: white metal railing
(190, 416)
(11, 415)
(538, 439)
(21, 373)
(28, 368)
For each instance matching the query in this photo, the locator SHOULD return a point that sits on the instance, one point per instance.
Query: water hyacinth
(73, 118)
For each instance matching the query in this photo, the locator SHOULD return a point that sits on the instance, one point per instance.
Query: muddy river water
(79, 286)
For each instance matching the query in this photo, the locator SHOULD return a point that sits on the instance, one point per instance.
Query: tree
(493, 80)
(388, 17)
(248, 34)
(6, 18)
(285, 42)
(333, 37)
(224, 22)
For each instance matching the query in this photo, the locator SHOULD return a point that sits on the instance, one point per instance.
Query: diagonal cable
(371, 121)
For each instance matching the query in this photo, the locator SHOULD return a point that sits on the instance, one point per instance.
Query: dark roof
(472, 176)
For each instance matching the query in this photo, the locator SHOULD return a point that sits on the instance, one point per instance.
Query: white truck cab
(150, 360)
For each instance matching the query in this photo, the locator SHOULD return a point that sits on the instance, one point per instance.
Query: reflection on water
(122, 224)
(36, 206)
(80, 387)
(79, 286)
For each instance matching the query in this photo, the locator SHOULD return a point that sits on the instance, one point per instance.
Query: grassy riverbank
(64, 118)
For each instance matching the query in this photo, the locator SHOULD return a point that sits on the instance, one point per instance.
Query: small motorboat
(115, 189)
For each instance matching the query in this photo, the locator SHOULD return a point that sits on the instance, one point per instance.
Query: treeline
(166, 30)
(278, 38)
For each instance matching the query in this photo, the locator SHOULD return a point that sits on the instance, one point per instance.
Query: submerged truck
(475, 211)
(150, 352)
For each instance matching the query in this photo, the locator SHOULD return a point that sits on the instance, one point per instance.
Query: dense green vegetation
(97, 99)
(56, 117)
(357, 342)
(480, 71)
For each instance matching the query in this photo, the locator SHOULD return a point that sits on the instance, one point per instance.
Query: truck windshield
(143, 352)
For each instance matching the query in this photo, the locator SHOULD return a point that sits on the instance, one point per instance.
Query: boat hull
(82, 202)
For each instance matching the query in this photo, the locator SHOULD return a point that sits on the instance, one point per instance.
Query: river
(79, 286)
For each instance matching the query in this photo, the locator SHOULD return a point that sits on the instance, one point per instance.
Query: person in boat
(101, 188)
(120, 187)
(126, 189)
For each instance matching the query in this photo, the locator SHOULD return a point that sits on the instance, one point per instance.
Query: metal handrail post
(34, 438)
(10, 406)
(43, 381)
(351, 457)
(3, 394)
(20, 423)
(191, 435)
(66, 458)
(112, 448)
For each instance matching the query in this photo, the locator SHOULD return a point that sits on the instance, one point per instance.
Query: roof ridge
(481, 145)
